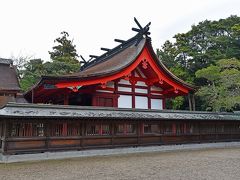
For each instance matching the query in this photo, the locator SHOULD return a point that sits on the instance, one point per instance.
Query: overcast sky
(29, 27)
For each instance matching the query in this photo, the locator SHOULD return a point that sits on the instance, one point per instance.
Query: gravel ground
(197, 164)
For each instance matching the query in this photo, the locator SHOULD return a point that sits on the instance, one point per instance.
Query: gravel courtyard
(198, 164)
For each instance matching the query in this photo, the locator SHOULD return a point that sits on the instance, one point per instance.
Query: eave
(13, 110)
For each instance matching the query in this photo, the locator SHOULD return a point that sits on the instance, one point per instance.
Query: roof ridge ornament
(141, 31)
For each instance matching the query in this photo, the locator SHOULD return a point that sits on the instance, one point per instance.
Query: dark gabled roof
(111, 62)
(6, 61)
(116, 60)
(57, 111)
(8, 76)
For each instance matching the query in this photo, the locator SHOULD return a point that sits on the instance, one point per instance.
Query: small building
(9, 85)
(116, 99)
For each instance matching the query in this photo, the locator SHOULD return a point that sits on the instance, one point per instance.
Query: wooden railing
(65, 135)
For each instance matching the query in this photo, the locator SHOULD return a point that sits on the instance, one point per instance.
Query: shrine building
(115, 100)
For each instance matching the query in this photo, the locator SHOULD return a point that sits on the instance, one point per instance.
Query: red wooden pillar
(133, 94)
(149, 96)
(174, 128)
(64, 131)
(164, 103)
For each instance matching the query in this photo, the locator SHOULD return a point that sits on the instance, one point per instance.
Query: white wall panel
(141, 83)
(156, 104)
(141, 102)
(123, 81)
(124, 89)
(138, 90)
(125, 101)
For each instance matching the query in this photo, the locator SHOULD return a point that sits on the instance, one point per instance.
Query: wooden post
(5, 136)
(66, 99)
(141, 128)
(32, 96)
(149, 97)
(189, 102)
(112, 133)
(64, 130)
(100, 129)
(138, 132)
(193, 103)
(174, 128)
(125, 129)
(185, 128)
(47, 133)
(133, 95)
(83, 134)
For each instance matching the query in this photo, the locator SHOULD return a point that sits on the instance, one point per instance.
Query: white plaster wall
(138, 90)
(156, 104)
(125, 101)
(124, 89)
(141, 102)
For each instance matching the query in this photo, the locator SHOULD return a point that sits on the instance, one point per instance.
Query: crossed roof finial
(142, 30)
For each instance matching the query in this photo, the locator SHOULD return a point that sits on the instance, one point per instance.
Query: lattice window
(166, 128)
(147, 128)
(131, 129)
(125, 129)
(73, 129)
(106, 129)
(119, 129)
(180, 128)
(208, 128)
(57, 129)
(93, 130)
(26, 129)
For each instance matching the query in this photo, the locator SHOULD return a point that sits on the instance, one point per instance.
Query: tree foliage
(203, 46)
(222, 91)
(31, 73)
(64, 61)
(64, 56)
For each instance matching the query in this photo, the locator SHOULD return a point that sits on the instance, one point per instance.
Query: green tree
(204, 45)
(64, 55)
(222, 90)
(31, 73)
(64, 51)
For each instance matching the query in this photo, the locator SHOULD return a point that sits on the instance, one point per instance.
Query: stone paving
(215, 163)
